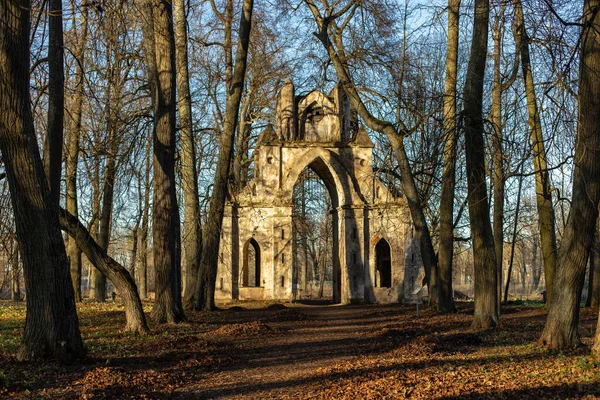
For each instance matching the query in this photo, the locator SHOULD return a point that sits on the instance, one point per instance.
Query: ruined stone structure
(375, 258)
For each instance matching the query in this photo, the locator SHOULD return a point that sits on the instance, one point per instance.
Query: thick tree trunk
(159, 45)
(118, 275)
(205, 287)
(484, 253)
(51, 326)
(446, 247)
(192, 229)
(560, 330)
(72, 149)
(542, 177)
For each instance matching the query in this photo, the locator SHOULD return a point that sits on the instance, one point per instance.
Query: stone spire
(286, 112)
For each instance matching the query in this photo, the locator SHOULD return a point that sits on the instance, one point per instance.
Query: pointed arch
(325, 164)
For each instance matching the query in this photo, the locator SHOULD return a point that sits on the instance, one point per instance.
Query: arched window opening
(251, 267)
(383, 263)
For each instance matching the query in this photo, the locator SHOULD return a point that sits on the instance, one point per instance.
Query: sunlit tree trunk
(192, 230)
(72, 148)
(51, 325)
(205, 287)
(446, 247)
(561, 330)
(159, 46)
(542, 177)
(484, 253)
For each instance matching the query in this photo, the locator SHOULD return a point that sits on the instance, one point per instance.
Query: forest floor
(263, 350)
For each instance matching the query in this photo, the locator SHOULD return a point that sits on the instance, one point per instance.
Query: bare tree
(205, 286)
(159, 47)
(484, 254)
(51, 326)
(446, 246)
(561, 330)
(192, 229)
(542, 177)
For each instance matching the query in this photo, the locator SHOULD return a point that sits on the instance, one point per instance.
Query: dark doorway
(383, 262)
(251, 266)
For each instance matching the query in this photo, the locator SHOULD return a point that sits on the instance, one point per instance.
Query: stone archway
(315, 131)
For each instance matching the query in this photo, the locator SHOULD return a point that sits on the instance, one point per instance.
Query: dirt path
(308, 351)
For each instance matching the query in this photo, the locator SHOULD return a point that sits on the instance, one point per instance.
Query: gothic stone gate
(375, 258)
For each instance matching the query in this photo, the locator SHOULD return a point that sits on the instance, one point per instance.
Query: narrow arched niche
(251, 267)
(383, 264)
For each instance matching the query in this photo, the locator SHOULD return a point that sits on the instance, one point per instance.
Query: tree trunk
(542, 177)
(159, 44)
(51, 326)
(514, 241)
(205, 287)
(498, 179)
(592, 267)
(15, 272)
(484, 253)
(595, 297)
(192, 229)
(56, 100)
(560, 330)
(72, 149)
(446, 247)
(118, 275)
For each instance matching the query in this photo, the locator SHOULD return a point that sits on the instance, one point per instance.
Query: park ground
(268, 350)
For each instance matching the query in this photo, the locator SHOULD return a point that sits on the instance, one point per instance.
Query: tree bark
(51, 326)
(72, 148)
(498, 179)
(542, 177)
(484, 253)
(560, 330)
(595, 295)
(446, 246)
(205, 286)
(118, 275)
(56, 100)
(192, 229)
(514, 241)
(159, 45)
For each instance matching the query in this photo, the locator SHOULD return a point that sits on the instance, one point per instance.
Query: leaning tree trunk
(542, 177)
(205, 287)
(484, 254)
(159, 46)
(560, 330)
(192, 229)
(135, 320)
(51, 326)
(338, 59)
(446, 247)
